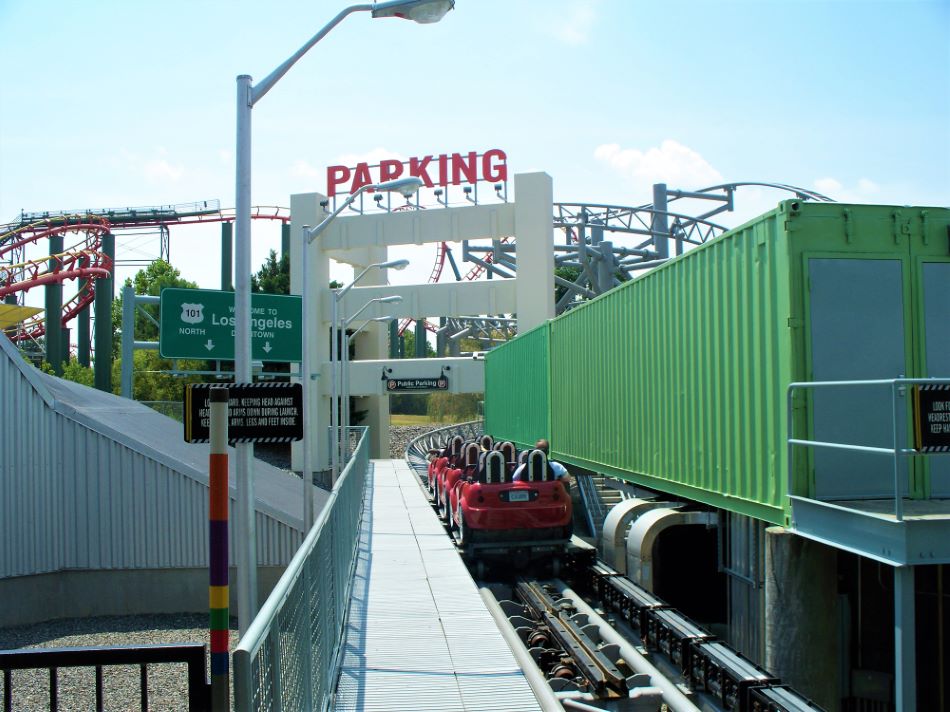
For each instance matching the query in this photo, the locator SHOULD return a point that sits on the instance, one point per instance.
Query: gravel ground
(401, 435)
(167, 684)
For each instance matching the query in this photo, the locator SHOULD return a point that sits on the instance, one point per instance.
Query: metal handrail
(287, 658)
(418, 448)
(593, 508)
(894, 451)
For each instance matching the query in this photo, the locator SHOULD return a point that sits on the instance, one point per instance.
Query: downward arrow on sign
(209, 345)
(267, 347)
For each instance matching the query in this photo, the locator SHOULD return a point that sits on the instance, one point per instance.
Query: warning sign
(257, 412)
(932, 418)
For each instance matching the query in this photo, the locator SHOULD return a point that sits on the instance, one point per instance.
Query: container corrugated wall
(73, 498)
(517, 388)
(677, 378)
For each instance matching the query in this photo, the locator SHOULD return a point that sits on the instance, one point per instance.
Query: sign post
(199, 324)
(218, 584)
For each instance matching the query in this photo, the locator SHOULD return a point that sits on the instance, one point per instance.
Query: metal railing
(417, 450)
(288, 658)
(898, 387)
(192, 654)
(594, 510)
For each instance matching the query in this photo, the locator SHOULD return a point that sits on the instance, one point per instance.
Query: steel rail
(593, 664)
(672, 695)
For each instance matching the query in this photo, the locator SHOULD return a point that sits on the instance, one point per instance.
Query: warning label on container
(932, 418)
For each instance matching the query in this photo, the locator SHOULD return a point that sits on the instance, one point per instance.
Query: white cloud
(575, 24)
(159, 169)
(864, 191)
(303, 169)
(671, 162)
(828, 186)
(372, 157)
(868, 186)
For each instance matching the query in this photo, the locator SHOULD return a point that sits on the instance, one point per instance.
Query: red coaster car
(493, 509)
(510, 454)
(444, 459)
(466, 467)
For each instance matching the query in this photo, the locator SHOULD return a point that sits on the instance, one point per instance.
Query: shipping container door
(935, 281)
(856, 314)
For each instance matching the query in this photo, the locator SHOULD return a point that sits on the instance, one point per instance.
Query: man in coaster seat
(560, 472)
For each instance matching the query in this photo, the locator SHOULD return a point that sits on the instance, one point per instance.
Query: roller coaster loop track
(82, 260)
(85, 259)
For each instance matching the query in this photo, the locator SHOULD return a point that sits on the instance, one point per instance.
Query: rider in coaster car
(560, 472)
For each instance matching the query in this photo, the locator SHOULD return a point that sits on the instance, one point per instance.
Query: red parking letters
(361, 177)
(453, 169)
(336, 175)
(467, 166)
(389, 170)
(418, 167)
(498, 171)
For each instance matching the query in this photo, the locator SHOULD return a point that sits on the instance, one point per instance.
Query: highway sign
(199, 323)
(257, 412)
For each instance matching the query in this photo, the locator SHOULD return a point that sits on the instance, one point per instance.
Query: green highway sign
(199, 324)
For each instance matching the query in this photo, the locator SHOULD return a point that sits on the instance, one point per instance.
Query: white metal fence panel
(286, 659)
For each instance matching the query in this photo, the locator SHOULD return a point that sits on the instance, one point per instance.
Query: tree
(567, 273)
(149, 281)
(151, 381)
(72, 371)
(274, 275)
(151, 378)
(409, 341)
(454, 407)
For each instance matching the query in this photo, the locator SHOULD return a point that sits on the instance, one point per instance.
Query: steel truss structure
(604, 246)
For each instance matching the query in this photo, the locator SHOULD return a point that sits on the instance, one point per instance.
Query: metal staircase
(598, 497)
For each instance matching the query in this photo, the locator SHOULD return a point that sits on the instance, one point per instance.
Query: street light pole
(342, 442)
(407, 187)
(335, 423)
(421, 11)
(345, 363)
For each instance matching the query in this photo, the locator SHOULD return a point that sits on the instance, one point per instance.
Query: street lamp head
(394, 264)
(395, 299)
(407, 186)
(422, 11)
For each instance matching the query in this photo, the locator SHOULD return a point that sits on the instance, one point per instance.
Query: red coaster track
(82, 260)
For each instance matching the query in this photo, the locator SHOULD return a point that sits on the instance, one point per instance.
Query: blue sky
(109, 104)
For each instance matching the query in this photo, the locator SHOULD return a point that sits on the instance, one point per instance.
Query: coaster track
(599, 263)
(84, 260)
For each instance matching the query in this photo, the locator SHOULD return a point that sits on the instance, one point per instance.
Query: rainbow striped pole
(218, 553)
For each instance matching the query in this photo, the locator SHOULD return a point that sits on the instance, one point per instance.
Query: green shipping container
(521, 369)
(677, 380)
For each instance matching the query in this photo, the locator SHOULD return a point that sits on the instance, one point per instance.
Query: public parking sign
(199, 324)
(395, 385)
(257, 412)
